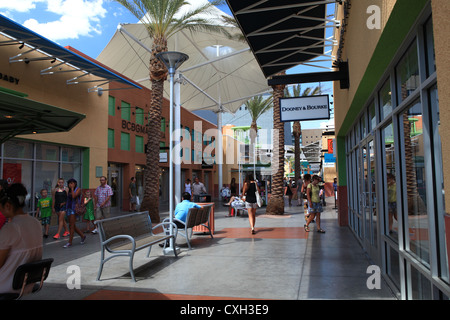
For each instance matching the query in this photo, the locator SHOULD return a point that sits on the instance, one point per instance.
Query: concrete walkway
(281, 261)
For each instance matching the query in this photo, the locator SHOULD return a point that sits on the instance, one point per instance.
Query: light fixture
(172, 60)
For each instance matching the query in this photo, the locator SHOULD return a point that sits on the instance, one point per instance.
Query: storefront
(389, 127)
(127, 140)
(49, 94)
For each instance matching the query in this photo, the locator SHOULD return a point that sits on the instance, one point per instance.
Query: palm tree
(296, 127)
(257, 106)
(159, 18)
(276, 202)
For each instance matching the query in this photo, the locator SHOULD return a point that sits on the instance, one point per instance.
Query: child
(314, 203)
(89, 214)
(44, 205)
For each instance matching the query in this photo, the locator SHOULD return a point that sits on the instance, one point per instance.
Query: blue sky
(87, 25)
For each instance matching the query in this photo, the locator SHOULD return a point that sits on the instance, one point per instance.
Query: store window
(139, 144)
(385, 99)
(139, 116)
(408, 79)
(111, 106)
(125, 111)
(390, 197)
(111, 143)
(430, 52)
(125, 141)
(416, 212)
(41, 171)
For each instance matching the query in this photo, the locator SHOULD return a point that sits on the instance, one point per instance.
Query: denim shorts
(70, 212)
(250, 205)
(316, 208)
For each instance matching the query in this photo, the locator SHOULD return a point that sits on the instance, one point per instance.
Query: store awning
(283, 34)
(29, 42)
(19, 115)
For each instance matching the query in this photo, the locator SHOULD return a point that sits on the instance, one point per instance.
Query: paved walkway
(281, 261)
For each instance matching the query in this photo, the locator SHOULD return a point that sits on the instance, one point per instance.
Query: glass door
(368, 203)
(115, 182)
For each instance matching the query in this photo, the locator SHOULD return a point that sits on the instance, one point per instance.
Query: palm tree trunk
(158, 74)
(276, 202)
(297, 131)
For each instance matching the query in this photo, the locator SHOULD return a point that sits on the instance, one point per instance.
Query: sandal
(306, 228)
(321, 231)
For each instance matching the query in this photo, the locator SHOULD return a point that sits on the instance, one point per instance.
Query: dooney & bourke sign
(304, 108)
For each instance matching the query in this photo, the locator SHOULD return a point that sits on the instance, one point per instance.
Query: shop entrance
(115, 182)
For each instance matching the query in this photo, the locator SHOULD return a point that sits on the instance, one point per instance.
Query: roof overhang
(30, 42)
(283, 34)
(19, 115)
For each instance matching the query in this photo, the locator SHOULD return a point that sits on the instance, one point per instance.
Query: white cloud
(19, 5)
(77, 17)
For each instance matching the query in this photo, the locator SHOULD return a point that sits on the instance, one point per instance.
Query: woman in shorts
(59, 199)
(250, 187)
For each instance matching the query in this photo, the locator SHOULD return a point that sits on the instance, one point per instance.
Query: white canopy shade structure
(222, 73)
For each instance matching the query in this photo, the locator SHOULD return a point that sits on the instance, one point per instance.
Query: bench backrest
(135, 225)
(205, 214)
(198, 216)
(191, 217)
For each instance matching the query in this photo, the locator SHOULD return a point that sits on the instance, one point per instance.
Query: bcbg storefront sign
(133, 127)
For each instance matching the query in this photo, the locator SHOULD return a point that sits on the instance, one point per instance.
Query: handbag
(80, 208)
(259, 200)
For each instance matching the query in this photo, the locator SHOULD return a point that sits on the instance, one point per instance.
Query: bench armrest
(121, 236)
(164, 223)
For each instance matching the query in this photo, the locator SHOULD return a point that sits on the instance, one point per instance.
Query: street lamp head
(172, 59)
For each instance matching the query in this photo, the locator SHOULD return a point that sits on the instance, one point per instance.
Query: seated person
(182, 209)
(20, 239)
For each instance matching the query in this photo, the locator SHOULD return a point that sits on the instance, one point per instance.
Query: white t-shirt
(23, 237)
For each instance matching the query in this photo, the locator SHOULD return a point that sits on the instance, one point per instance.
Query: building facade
(127, 140)
(37, 160)
(390, 128)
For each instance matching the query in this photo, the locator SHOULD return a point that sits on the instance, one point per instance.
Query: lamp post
(172, 60)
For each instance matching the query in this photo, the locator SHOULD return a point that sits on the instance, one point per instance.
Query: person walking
(187, 186)
(59, 199)
(299, 191)
(73, 196)
(102, 196)
(89, 216)
(20, 239)
(132, 192)
(306, 182)
(44, 210)
(315, 205)
(250, 187)
(198, 188)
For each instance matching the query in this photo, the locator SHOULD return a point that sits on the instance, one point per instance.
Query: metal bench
(195, 217)
(124, 235)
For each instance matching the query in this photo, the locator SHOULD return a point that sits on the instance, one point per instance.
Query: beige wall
(360, 52)
(441, 25)
(53, 90)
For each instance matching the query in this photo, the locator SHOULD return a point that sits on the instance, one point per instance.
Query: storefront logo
(10, 79)
(128, 125)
